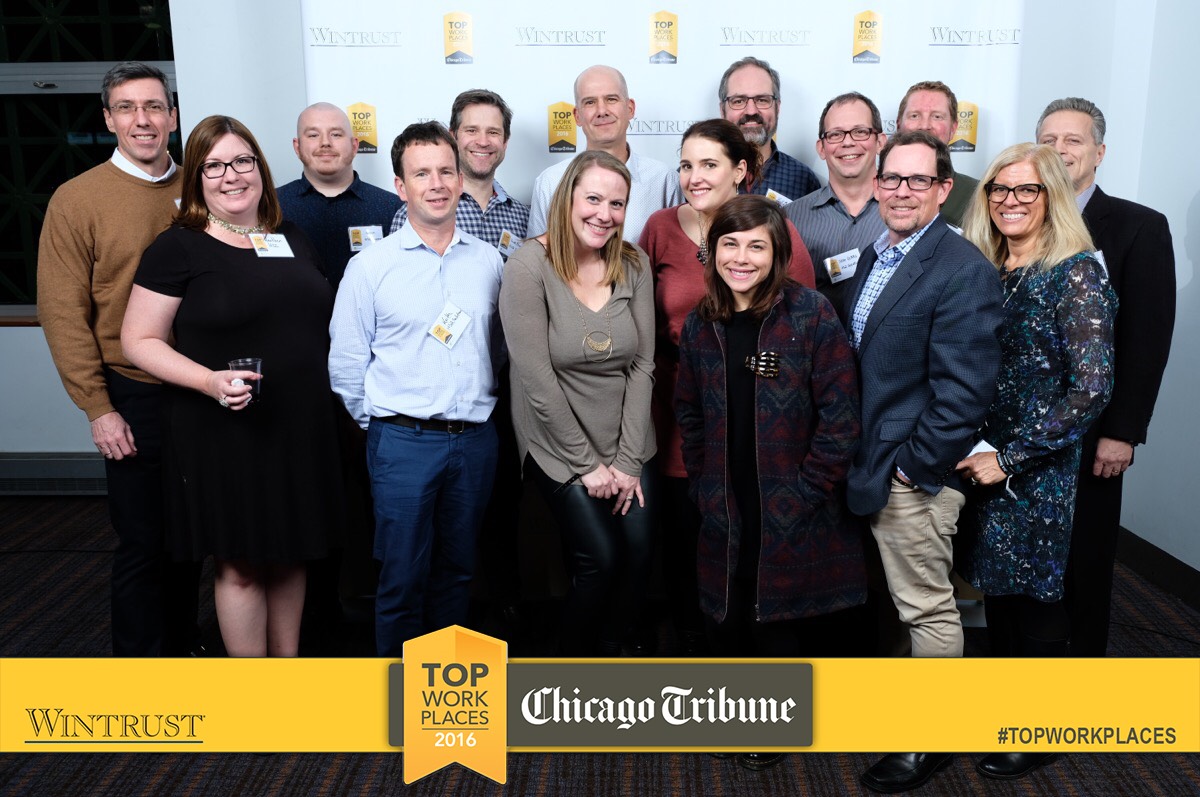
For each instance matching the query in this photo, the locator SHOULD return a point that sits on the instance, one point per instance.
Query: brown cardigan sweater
(97, 226)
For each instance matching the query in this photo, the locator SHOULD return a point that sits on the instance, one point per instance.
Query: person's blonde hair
(560, 237)
(1063, 232)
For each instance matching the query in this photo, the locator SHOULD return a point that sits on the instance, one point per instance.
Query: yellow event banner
(346, 705)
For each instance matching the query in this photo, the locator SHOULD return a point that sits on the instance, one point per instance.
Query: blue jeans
(430, 490)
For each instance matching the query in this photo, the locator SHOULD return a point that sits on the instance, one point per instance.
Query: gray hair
(132, 70)
(1082, 106)
(723, 89)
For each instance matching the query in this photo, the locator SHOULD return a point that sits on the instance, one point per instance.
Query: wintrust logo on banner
(945, 36)
(659, 127)
(736, 36)
(532, 36)
(335, 37)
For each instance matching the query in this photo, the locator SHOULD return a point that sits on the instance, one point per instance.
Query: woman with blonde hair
(1055, 379)
(578, 310)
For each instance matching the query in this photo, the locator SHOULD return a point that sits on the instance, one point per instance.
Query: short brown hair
(745, 212)
(941, 152)
(929, 85)
(193, 212)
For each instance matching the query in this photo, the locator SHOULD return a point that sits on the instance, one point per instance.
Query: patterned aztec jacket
(811, 561)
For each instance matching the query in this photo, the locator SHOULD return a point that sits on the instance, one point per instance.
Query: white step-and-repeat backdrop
(393, 63)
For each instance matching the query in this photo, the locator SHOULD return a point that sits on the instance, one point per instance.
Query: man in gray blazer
(923, 313)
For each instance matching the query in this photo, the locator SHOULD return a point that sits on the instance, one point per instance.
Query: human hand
(626, 489)
(113, 437)
(599, 483)
(231, 389)
(1113, 457)
(982, 468)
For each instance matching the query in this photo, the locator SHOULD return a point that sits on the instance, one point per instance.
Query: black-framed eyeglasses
(1026, 193)
(857, 134)
(916, 182)
(215, 170)
(762, 101)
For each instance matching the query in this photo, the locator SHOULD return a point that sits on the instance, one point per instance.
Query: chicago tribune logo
(733, 36)
(329, 37)
(972, 37)
(57, 726)
(659, 127)
(543, 37)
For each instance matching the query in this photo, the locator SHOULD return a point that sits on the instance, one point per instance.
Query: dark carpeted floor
(54, 562)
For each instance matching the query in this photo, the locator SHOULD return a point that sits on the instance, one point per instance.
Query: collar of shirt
(411, 239)
(306, 187)
(1082, 199)
(823, 196)
(889, 256)
(125, 165)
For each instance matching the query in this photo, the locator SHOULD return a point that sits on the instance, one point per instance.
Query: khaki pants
(914, 533)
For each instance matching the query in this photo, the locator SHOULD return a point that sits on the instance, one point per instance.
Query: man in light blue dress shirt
(416, 346)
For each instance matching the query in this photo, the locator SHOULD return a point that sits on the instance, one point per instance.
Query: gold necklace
(595, 343)
(236, 229)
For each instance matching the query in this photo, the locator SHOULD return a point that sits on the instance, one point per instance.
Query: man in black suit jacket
(1135, 243)
(924, 310)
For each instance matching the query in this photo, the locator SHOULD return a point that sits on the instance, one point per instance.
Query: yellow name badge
(364, 236)
(455, 704)
(842, 266)
(778, 198)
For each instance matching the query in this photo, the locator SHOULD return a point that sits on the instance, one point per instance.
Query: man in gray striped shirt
(839, 220)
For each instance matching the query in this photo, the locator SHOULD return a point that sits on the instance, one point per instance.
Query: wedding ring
(974, 482)
(223, 402)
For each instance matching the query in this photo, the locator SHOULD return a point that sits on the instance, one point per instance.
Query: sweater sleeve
(65, 308)
(524, 311)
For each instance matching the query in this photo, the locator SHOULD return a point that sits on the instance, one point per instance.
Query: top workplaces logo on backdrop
(967, 132)
(868, 38)
(560, 127)
(664, 38)
(945, 36)
(737, 36)
(458, 36)
(334, 37)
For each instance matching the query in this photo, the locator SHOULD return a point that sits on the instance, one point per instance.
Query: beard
(756, 135)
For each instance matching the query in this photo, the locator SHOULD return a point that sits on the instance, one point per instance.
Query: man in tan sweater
(97, 226)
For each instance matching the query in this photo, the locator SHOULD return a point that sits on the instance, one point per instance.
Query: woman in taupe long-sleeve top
(578, 312)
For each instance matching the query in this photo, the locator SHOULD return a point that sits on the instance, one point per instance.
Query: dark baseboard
(1159, 567)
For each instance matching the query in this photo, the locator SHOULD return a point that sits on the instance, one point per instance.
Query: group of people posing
(790, 392)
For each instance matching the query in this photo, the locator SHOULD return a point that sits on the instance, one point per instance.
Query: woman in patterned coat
(767, 403)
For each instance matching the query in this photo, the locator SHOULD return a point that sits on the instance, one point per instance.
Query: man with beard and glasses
(749, 97)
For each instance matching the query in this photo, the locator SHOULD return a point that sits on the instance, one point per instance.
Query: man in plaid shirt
(481, 122)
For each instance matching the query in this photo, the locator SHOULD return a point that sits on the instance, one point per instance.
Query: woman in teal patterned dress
(1055, 379)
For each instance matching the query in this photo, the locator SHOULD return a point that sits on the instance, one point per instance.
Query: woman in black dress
(250, 465)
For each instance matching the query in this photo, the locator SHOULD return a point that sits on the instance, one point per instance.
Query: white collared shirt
(124, 164)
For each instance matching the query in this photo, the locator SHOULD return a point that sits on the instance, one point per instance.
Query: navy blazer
(1136, 243)
(927, 365)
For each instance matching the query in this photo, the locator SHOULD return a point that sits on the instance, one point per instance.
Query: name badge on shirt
(272, 245)
(842, 266)
(1100, 259)
(449, 325)
(778, 198)
(362, 237)
(509, 243)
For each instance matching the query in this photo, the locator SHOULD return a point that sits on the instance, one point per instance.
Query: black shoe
(760, 761)
(1010, 766)
(897, 772)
